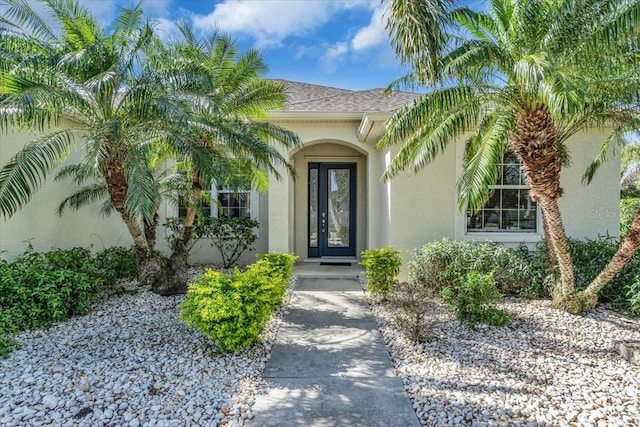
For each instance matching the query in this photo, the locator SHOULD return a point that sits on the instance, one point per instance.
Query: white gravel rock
(544, 368)
(130, 361)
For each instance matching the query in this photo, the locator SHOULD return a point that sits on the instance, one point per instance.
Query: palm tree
(118, 110)
(525, 77)
(226, 101)
(203, 110)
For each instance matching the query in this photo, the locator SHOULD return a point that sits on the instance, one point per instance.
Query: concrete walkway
(329, 366)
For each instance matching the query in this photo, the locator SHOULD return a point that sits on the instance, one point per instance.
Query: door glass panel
(313, 208)
(338, 189)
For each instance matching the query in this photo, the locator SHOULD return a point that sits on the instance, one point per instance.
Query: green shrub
(116, 263)
(590, 256)
(232, 310)
(280, 263)
(232, 236)
(628, 210)
(38, 289)
(439, 264)
(471, 300)
(381, 267)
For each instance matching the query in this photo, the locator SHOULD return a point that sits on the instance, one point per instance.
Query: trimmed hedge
(232, 310)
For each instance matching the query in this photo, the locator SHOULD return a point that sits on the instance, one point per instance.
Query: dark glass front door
(332, 209)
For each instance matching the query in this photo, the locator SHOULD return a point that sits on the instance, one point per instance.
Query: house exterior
(336, 205)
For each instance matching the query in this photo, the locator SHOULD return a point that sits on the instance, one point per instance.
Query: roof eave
(315, 115)
(367, 123)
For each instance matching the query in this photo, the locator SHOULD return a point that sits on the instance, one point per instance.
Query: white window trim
(254, 202)
(494, 236)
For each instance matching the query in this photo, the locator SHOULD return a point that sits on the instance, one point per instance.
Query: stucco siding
(423, 205)
(594, 209)
(39, 223)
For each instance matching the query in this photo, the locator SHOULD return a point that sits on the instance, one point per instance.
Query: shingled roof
(310, 97)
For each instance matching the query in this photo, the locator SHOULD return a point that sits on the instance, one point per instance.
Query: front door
(332, 209)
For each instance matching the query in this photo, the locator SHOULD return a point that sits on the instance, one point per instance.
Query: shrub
(381, 267)
(416, 302)
(628, 210)
(232, 310)
(116, 263)
(442, 263)
(232, 236)
(38, 289)
(471, 300)
(590, 256)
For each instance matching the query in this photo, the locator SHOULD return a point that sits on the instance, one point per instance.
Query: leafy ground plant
(471, 300)
(40, 288)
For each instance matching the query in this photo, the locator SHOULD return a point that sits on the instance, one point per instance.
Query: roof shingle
(310, 97)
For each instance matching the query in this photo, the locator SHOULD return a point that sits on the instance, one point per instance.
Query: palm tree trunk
(149, 266)
(552, 261)
(561, 253)
(177, 265)
(534, 143)
(626, 251)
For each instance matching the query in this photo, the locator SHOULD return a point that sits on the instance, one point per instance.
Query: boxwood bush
(381, 267)
(232, 310)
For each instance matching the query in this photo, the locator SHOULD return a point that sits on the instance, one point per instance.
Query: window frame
(254, 202)
(500, 235)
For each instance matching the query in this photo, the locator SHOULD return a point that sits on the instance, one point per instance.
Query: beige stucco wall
(407, 212)
(38, 222)
(594, 209)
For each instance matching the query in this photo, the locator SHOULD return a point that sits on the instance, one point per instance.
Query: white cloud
(373, 34)
(330, 59)
(166, 28)
(271, 21)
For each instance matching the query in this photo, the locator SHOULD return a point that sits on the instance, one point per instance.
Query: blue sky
(340, 43)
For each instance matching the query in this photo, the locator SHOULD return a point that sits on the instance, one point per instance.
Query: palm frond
(424, 134)
(418, 34)
(27, 170)
(84, 197)
(483, 155)
(608, 148)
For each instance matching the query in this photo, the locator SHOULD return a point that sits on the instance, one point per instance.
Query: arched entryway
(330, 200)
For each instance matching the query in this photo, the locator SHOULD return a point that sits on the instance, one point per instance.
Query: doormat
(338, 264)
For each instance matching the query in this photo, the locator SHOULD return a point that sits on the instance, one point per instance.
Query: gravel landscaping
(546, 368)
(130, 362)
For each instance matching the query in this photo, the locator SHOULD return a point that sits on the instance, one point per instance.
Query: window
(234, 203)
(509, 208)
(231, 203)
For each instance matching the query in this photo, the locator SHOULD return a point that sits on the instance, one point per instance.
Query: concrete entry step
(329, 366)
(316, 270)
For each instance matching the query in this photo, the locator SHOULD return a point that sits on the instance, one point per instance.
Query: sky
(341, 43)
